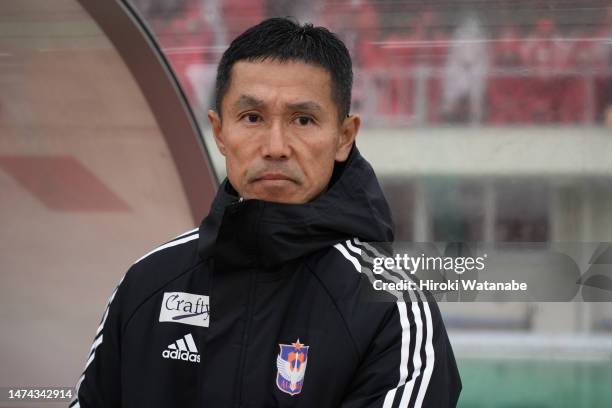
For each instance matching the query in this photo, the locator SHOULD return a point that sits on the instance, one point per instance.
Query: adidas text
(181, 355)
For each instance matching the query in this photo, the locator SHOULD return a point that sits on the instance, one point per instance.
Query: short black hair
(282, 39)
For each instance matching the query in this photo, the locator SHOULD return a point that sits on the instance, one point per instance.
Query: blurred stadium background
(486, 121)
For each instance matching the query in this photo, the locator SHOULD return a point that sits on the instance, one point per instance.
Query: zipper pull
(237, 202)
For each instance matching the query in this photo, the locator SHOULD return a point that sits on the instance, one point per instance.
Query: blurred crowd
(507, 63)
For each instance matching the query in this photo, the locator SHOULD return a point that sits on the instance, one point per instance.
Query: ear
(348, 133)
(215, 123)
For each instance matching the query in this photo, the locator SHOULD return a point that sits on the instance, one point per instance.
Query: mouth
(273, 177)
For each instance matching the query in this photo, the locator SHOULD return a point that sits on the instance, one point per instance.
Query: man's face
(280, 133)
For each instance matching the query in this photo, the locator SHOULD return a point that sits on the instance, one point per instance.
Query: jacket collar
(251, 233)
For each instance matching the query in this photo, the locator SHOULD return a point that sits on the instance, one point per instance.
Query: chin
(278, 192)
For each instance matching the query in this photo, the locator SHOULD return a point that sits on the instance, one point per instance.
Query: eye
(250, 117)
(304, 120)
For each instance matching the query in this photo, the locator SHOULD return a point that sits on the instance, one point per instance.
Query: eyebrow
(248, 101)
(308, 106)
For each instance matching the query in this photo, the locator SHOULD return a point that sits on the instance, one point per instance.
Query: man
(260, 305)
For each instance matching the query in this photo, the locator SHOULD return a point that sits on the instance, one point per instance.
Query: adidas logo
(182, 349)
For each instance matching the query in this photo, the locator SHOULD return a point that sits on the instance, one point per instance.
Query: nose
(276, 145)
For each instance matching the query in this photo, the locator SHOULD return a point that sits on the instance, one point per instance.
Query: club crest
(291, 366)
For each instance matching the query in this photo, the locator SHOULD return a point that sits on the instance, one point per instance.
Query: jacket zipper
(245, 335)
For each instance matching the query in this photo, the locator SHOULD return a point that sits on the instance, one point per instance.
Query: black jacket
(261, 307)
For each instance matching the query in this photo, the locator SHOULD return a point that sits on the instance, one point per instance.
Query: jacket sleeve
(100, 383)
(410, 363)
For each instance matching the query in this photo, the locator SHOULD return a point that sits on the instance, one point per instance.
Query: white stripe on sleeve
(348, 256)
(170, 244)
(430, 355)
(424, 368)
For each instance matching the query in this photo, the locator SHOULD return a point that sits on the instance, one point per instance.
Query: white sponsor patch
(186, 308)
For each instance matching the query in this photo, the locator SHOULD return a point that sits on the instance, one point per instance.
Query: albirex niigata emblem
(291, 364)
